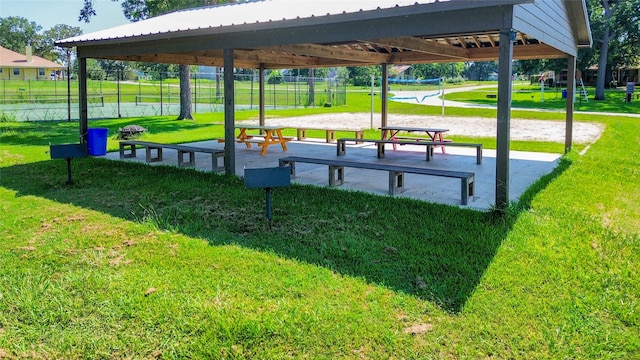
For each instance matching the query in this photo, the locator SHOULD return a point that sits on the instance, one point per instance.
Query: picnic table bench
(269, 135)
(128, 150)
(396, 173)
(430, 145)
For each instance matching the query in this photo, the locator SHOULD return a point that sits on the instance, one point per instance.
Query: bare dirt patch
(521, 129)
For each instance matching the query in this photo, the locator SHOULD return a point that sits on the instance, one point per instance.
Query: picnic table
(269, 135)
(391, 133)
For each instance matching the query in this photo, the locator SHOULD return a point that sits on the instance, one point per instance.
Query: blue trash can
(564, 94)
(97, 141)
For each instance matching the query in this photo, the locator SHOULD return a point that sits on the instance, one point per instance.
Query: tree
(94, 71)
(156, 70)
(528, 67)
(136, 10)
(114, 69)
(46, 47)
(538, 66)
(616, 34)
(479, 70)
(361, 75)
(439, 70)
(17, 32)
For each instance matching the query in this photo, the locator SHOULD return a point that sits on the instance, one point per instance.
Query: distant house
(207, 72)
(401, 72)
(15, 66)
(618, 76)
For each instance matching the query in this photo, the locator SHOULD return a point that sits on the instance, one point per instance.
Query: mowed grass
(527, 96)
(136, 261)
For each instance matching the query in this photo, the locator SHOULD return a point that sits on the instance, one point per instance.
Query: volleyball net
(424, 88)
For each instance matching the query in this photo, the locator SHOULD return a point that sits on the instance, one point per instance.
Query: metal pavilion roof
(243, 13)
(313, 33)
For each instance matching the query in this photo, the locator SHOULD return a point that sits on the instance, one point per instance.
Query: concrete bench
(396, 173)
(430, 145)
(153, 153)
(330, 134)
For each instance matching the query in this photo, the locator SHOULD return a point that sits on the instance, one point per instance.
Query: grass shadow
(435, 252)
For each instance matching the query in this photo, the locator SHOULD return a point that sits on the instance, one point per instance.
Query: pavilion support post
(82, 100)
(229, 115)
(384, 94)
(503, 135)
(571, 91)
(261, 94)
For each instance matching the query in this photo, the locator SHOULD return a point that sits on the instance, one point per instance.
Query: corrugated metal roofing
(252, 12)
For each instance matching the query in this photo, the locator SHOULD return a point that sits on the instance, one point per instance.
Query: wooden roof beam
(332, 52)
(424, 46)
(476, 41)
(411, 57)
(210, 58)
(520, 52)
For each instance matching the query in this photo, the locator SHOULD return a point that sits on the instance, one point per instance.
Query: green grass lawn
(136, 261)
(532, 97)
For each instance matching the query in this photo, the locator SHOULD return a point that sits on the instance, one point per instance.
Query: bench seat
(330, 134)
(380, 144)
(396, 173)
(128, 150)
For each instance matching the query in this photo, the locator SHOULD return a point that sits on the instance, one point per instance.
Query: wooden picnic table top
(412, 129)
(259, 127)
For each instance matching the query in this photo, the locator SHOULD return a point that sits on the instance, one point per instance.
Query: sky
(48, 13)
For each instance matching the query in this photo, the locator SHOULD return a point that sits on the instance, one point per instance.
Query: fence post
(118, 74)
(160, 93)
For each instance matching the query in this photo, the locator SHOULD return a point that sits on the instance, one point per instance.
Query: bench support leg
(396, 182)
(150, 157)
(192, 158)
(468, 189)
(217, 161)
(331, 136)
(336, 175)
(479, 155)
(291, 165)
(359, 135)
(429, 152)
(302, 134)
(380, 150)
(123, 151)
(342, 147)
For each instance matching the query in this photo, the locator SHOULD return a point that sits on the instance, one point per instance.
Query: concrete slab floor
(525, 168)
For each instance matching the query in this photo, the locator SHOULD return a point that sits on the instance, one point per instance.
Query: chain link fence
(121, 94)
